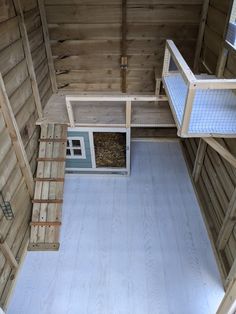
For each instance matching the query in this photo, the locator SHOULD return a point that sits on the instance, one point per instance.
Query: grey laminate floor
(133, 245)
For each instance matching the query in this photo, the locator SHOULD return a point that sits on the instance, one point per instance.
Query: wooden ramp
(49, 183)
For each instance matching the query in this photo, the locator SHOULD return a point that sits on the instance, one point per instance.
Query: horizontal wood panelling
(214, 32)
(20, 96)
(36, 38)
(28, 5)
(9, 32)
(82, 41)
(218, 178)
(215, 188)
(101, 31)
(11, 56)
(117, 2)
(88, 62)
(221, 5)
(212, 41)
(36, 41)
(231, 63)
(15, 229)
(216, 20)
(15, 77)
(32, 20)
(73, 14)
(6, 10)
(14, 68)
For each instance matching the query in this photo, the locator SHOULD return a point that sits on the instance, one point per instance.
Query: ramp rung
(52, 140)
(45, 223)
(51, 159)
(49, 179)
(40, 201)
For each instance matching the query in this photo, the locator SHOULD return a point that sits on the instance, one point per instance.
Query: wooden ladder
(49, 184)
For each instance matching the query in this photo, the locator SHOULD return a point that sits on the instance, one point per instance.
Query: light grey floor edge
(129, 245)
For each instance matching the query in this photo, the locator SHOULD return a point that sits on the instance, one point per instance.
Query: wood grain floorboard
(129, 245)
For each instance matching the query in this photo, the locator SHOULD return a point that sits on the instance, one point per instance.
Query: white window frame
(72, 148)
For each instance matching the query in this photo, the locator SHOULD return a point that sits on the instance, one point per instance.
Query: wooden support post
(6, 251)
(16, 137)
(222, 59)
(124, 61)
(166, 62)
(158, 85)
(228, 304)
(198, 49)
(70, 113)
(221, 150)
(228, 223)
(47, 45)
(28, 56)
(128, 114)
(128, 133)
(128, 150)
(199, 159)
(187, 110)
(222, 62)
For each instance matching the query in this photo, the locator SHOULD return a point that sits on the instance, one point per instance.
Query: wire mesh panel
(177, 90)
(211, 108)
(213, 111)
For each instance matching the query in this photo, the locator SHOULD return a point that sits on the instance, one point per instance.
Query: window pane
(76, 143)
(77, 152)
(68, 144)
(68, 152)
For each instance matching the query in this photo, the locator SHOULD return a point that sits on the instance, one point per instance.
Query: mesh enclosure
(213, 110)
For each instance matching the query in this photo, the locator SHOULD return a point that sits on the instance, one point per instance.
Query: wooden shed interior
(116, 99)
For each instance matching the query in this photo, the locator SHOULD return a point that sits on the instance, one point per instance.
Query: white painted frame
(128, 99)
(72, 148)
(193, 84)
(93, 159)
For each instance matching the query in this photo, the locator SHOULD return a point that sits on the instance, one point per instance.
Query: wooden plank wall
(218, 178)
(15, 232)
(14, 69)
(38, 51)
(214, 30)
(86, 40)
